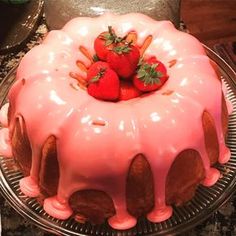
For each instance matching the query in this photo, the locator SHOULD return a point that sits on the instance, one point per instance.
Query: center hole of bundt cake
(119, 70)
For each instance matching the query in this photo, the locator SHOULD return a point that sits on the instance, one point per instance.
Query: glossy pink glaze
(29, 187)
(4, 115)
(5, 145)
(157, 125)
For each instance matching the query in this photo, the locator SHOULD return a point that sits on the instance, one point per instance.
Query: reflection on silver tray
(205, 202)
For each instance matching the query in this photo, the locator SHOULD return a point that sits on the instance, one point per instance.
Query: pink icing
(157, 125)
(5, 146)
(3, 115)
(29, 187)
(61, 210)
(212, 176)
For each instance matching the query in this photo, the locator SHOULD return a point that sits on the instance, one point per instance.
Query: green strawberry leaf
(98, 76)
(94, 79)
(109, 42)
(122, 49)
(95, 58)
(148, 74)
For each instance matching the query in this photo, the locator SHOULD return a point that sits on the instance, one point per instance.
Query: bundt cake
(138, 135)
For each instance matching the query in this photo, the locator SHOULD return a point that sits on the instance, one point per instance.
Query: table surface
(222, 222)
(210, 21)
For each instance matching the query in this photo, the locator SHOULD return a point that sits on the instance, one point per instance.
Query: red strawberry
(105, 42)
(151, 75)
(123, 59)
(128, 91)
(105, 85)
(95, 68)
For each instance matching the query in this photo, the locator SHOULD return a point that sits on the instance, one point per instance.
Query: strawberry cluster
(119, 72)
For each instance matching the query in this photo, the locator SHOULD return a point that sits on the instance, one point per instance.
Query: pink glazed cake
(99, 160)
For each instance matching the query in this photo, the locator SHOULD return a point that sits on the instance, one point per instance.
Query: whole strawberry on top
(123, 59)
(95, 68)
(103, 82)
(128, 90)
(151, 75)
(105, 42)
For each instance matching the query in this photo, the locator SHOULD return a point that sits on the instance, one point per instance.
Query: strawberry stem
(120, 49)
(110, 37)
(95, 58)
(111, 31)
(148, 74)
(98, 76)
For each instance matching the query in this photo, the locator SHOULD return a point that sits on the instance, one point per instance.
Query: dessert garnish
(151, 75)
(103, 82)
(119, 70)
(105, 42)
(128, 90)
(124, 59)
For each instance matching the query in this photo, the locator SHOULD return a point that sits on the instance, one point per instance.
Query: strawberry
(105, 85)
(123, 59)
(128, 91)
(105, 42)
(151, 75)
(95, 68)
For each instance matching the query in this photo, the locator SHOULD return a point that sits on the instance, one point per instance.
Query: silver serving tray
(205, 202)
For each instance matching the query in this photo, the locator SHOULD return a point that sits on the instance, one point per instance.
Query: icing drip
(226, 156)
(5, 146)
(212, 176)
(3, 115)
(29, 187)
(161, 214)
(98, 156)
(57, 209)
(125, 221)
